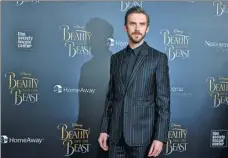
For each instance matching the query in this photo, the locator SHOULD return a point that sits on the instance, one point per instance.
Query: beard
(136, 40)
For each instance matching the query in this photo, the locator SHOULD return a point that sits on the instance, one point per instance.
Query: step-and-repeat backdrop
(55, 72)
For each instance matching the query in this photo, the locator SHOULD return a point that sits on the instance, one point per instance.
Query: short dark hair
(136, 9)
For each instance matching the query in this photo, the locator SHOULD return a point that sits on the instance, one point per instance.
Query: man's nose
(136, 27)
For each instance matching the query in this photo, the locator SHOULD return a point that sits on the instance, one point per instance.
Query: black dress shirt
(130, 58)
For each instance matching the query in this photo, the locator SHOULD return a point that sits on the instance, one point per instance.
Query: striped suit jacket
(146, 99)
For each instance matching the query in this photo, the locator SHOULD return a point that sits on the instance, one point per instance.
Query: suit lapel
(120, 72)
(140, 60)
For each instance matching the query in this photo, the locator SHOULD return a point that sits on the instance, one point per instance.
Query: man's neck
(134, 45)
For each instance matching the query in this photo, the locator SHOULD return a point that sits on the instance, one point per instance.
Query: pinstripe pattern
(146, 99)
(122, 150)
(117, 151)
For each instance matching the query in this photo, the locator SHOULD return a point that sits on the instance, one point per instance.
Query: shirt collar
(135, 50)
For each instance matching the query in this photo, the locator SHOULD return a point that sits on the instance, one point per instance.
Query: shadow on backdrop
(95, 75)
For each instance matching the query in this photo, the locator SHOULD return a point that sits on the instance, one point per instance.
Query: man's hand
(103, 141)
(155, 148)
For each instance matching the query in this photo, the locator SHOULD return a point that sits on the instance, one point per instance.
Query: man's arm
(108, 101)
(162, 100)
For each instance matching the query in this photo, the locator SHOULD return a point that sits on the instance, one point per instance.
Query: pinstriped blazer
(146, 99)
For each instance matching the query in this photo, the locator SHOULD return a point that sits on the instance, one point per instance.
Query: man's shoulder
(158, 53)
(118, 53)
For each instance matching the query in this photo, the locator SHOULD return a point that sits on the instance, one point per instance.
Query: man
(137, 109)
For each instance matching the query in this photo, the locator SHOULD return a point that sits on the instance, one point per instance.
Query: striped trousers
(122, 150)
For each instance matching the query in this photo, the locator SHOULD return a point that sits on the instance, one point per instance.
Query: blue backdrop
(55, 71)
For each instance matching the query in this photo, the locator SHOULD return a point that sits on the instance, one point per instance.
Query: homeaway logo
(58, 89)
(64, 89)
(5, 139)
(111, 43)
(180, 91)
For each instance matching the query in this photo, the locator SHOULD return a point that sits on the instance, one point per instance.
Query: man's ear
(147, 30)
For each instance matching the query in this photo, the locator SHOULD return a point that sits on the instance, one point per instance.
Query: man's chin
(136, 40)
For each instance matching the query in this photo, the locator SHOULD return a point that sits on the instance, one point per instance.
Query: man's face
(136, 27)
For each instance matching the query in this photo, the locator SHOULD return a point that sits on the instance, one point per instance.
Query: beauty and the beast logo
(76, 39)
(177, 139)
(23, 88)
(176, 44)
(218, 90)
(19, 3)
(125, 5)
(221, 8)
(75, 139)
